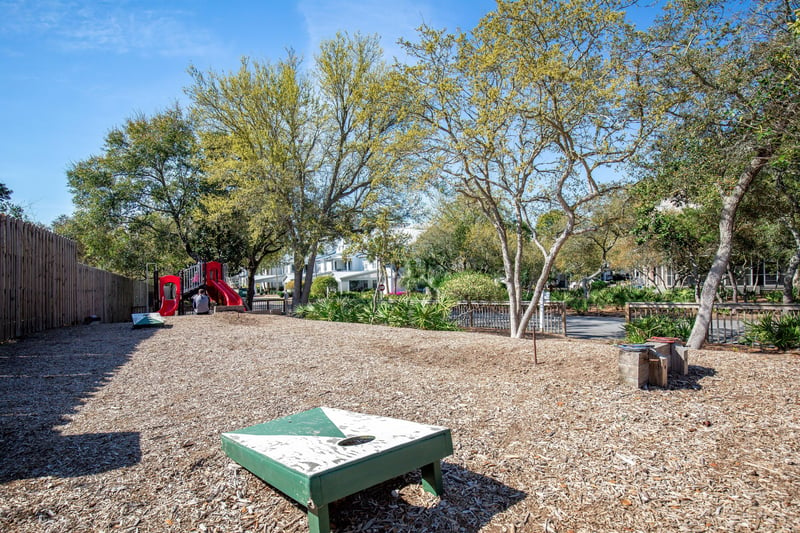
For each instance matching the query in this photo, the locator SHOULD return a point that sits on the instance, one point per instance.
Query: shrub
(322, 286)
(684, 294)
(471, 286)
(773, 297)
(400, 312)
(781, 332)
(579, 304)
(431, 315)
(641, 329)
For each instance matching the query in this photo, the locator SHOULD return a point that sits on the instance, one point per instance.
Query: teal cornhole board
(143, 320)
(324, 454)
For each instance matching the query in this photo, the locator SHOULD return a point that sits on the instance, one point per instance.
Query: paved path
(595, 327)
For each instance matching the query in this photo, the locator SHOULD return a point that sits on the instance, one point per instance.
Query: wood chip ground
(107, 428)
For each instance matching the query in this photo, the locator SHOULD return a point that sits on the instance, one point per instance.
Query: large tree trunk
(734, 285)
(730, 204)
(297, 290)
(309, 277)
(791, 270)
(252, 268)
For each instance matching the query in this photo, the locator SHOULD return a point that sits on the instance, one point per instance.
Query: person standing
(200, 302)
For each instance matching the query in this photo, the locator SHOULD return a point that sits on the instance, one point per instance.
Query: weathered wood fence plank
(43, 286)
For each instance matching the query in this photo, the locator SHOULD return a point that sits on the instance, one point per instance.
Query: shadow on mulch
(44, 381)
(470, 501)
(692, 379)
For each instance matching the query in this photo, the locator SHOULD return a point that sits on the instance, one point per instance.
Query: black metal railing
(728, 321)
(495, 315)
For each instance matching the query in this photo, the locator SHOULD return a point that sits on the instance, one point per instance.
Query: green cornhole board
(143, 320)
(324, 454)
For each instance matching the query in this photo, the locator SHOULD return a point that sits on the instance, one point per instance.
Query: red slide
(222, 293)
(168, 307)
(169, 291)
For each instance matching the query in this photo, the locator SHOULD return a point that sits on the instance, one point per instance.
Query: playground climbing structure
(210, 275)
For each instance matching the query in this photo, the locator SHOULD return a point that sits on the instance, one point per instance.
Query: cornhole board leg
(322, 455)
(432, 478)
(319, 520)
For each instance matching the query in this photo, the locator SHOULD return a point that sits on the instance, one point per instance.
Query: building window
(357, 285)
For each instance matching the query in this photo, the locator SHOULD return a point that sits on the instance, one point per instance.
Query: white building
(352, 272)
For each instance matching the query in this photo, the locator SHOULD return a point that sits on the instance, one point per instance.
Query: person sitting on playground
(200, 302)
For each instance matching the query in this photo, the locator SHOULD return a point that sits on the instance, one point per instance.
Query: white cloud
(116, 27)
(390, 20)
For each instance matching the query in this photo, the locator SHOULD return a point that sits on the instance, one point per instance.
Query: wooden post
(679, 359)
(658, 370)
(634, 366)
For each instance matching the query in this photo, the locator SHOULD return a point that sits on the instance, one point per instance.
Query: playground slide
(168, 307)
(223, 293)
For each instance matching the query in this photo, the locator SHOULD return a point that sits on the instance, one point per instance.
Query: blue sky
(70, 70)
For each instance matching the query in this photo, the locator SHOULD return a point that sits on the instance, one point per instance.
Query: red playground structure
(169, 294)
(173, 289)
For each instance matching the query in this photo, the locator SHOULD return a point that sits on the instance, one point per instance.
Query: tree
(382, 241)
(731, 78)
(681, 236)
(457, 238)
(316, 155)
(7, 207)
(608, 246)
(143, 188)
(524, 113)
(124, 249)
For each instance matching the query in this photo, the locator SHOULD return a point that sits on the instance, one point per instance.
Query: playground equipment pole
(152, 297)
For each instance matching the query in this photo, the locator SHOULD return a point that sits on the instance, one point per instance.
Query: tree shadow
(469, 503)
(691, 380)
(43, 380)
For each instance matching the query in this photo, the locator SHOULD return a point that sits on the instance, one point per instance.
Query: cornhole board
(324, 454)
(143, 320)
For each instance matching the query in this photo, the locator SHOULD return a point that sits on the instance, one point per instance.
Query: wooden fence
(728, 320)
(43, 286)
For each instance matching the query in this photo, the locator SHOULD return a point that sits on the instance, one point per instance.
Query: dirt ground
(106, 428)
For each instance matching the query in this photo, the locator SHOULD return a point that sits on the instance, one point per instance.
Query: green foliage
(322, 286)
(618, 295)
(400, 312)
(459, 238)
(320, 149)
(471, 286)
(538, 89)
(7, 207)
(134, 203)
(774, 297)
(782, 332)
(641, 329)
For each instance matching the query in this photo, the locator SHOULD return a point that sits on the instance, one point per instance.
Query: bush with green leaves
(471, 287)
(399, 312)
(641, 329)
(322, 286)
(336, 309)
(773, 297)
(782, 332)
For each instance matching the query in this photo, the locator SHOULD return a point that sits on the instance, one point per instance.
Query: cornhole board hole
(324, 454)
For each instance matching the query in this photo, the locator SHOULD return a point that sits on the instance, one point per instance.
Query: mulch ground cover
(107, 428)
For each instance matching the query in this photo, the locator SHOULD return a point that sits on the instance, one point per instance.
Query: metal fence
(728, 321)
(272, 306)
(495, 315)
